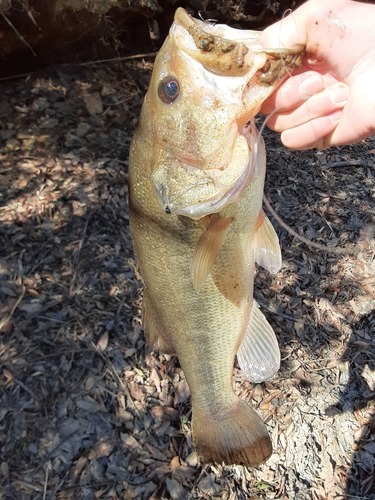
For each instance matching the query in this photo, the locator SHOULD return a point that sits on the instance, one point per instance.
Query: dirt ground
(86, 410)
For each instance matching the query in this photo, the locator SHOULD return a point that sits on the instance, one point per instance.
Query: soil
(87, 411)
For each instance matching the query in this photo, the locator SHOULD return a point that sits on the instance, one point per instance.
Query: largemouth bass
(196, 175)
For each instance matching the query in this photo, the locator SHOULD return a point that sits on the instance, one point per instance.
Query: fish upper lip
(233, 49)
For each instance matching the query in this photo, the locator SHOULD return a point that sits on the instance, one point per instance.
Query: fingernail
(311, 85)
(339, 93)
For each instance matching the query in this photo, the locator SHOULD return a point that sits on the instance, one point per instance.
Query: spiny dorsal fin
(207, 249)
(267, 251)
(259, 353)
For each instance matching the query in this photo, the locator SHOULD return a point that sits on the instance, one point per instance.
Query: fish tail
(237, 437)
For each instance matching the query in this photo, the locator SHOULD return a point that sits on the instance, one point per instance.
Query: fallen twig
(76, 255)
(286, 316)
(17, 33)
(114, 59)
(5, 321)
(89, 63)
(350, 163)
(324, 248)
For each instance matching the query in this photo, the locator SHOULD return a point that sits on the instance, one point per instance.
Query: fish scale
(195, 183)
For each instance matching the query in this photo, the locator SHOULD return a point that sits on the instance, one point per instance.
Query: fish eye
(169, 90)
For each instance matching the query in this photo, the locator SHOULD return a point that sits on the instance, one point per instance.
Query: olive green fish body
(196, 181)
(204, 329)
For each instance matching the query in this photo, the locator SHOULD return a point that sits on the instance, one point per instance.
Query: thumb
(290, 31)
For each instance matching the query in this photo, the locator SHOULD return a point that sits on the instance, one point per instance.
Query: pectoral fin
(259, 353)
(207, 249)
(267, 251)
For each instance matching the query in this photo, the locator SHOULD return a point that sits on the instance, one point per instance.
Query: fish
(196, 175)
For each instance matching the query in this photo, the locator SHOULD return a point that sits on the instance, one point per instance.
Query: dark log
(36, 33)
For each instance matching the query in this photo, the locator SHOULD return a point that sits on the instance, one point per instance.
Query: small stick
(75, 258)
(115, 59)
(13, 77)
(286, 316)
(324, 248)
(89, 63)
(17, 33)
(349, 163)
(27, 389)
(46, 481)
(4, 321)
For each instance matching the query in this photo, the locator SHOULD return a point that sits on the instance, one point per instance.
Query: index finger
(296, 90)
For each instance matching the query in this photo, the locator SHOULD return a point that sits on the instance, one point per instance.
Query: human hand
(330, 100)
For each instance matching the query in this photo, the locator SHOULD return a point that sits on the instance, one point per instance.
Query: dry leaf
(369, 376)
(130, 441)
(88, 404)
(184, 472)
(103, 342)
(164, 412)
(103, 449)
(93, 102)
(90, 383)
(77, 468)
(8, 376)
(175, 462)
(4, 469)
(182, 392)
(157, 454)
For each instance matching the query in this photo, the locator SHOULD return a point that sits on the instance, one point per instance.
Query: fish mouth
(184, 189)
(230, 52)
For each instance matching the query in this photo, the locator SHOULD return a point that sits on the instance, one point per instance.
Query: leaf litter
(87, 411)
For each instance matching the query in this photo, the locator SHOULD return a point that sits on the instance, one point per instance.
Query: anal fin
(259, 353)
(207, 249)
(267, 251)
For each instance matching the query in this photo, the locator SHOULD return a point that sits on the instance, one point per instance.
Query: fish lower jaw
(207, 206)
(184, 189)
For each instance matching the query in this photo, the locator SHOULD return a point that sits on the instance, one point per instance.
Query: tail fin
(237, 437)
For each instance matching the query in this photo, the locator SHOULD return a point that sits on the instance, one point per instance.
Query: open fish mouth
(230, 52)
(207, 191)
